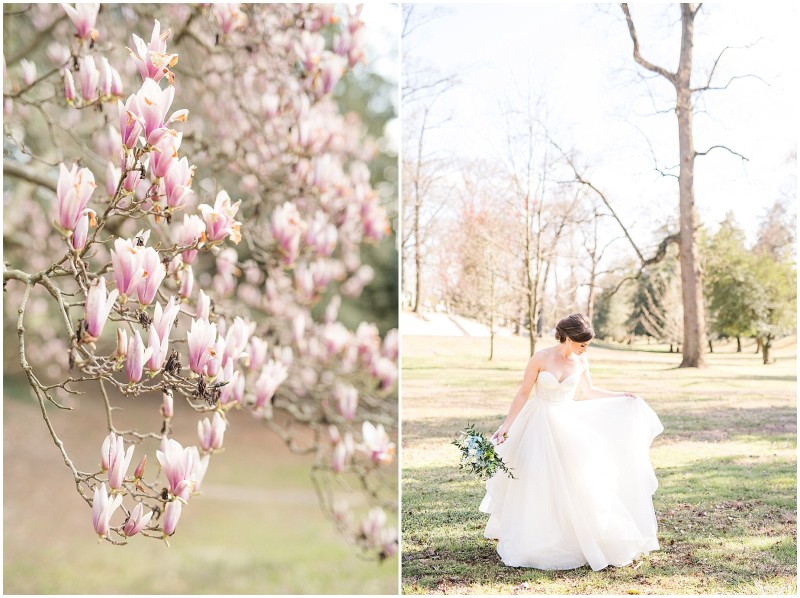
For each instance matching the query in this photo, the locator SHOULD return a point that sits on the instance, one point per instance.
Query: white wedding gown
(584, 483)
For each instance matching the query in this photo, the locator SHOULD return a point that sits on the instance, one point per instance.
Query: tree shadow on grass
(721, 522)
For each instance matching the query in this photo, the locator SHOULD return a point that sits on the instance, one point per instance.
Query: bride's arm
(528, 380)
(590, 391)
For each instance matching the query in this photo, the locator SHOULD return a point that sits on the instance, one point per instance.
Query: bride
(583, 483)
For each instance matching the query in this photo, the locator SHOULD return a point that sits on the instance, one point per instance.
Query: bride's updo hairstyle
(576, 327)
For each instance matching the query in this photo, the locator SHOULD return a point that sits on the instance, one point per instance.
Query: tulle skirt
(583, 488)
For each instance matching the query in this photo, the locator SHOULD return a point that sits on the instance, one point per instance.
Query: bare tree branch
(722, 147)
(24, 173)
(637, 56)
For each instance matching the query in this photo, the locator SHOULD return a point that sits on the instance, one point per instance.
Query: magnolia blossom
(386, 371)
(103, 509)
(377, 443)
(28, 71)
(257, 353)
(137, 521)
(164, 319)
(153, 273)
(165, 152)
(69, 86)
(130, 125)
(228, 16)
(73, 191)
(167, 404)
(236, 339)
(98, 306)
(309, 49)
(81, 233)
(342, 452)
(272, 375)
(192, 230)
(178, 463)
(372, 526)
(122, 344)
(152, 59)
(139, 471)
(126, 260)
(215, 361)
(83, 16)
(228, 394)
(136, 358)
(178, 183)
(114, 459)
(89, 77)
(203, 306)
(286, 228)
(346, 397)
(172, 513)
(150, 106)
(186, 278)
(211, 432)
(220, 222)
(105, 79)
(158, 346)
(202, 339)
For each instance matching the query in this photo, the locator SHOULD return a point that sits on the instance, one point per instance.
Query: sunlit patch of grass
(726, 465)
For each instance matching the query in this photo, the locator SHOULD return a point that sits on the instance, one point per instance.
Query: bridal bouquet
(478, 454)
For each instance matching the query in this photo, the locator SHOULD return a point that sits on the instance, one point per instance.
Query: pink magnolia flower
(229, 17)
(215, 361)
(228, 394)
(73, 191)
(331, 68)
(69, 87)
(167, 404)
(130, 124)
(136, 358)
(28, 71)
(372, 526)
(220, 222)
(202, 338)
(126, 260)
(272, 375)
(122, 344)
(165, 153)
(152, 104)
(159, 347)
(153, 275)
(211, 433)
(376, 443)
(385, 370)
(79, 237)
(139, 471)
(391, 345)
(164, 319)
(286, 228)
(257, 353)
(137, 520)
(116, 83)
(178, 183)
(89, 77)
(236, 339)
(83, 16)
(203, 306)
(99, 304)
(113, 174)
(152, 59)
(178, 463)
(342, 452)
(346, 397)
(309, 49)
(172, 514)
(321, 235)
(198, 469)
(191, 230)
(186, 278)
(115, 459)
(105, 78)
(103, 509)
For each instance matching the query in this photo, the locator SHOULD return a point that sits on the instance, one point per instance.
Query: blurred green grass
(256, 529)
(726, 464)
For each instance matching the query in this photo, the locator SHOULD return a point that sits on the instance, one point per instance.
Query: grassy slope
(726, 465)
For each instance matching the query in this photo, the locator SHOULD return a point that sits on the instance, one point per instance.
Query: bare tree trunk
(694, 327)
(759, 344)
(767, 346)
(738, 344)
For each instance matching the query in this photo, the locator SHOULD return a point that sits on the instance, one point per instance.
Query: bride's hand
(501, 435)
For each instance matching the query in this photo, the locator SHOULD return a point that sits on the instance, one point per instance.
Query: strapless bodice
(549, 389)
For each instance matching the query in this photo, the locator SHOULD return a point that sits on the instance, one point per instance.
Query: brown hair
(575, 327)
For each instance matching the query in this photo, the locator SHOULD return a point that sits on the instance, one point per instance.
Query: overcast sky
(580, 57)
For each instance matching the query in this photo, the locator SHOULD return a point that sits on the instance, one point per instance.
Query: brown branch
(24, 173)
(746, 159)
(637, 56)
(36, 41)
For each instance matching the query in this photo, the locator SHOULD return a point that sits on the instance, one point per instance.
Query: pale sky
(580, 56)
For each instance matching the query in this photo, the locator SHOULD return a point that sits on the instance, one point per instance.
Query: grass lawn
(726, 464)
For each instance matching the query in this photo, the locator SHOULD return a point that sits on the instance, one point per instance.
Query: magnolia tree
(166, 289)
